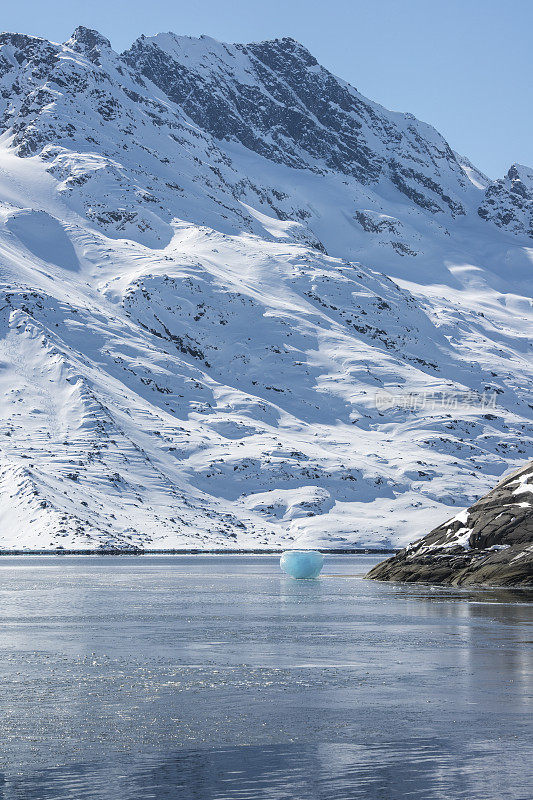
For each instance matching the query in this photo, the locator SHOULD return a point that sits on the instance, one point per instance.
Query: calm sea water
(217, 677)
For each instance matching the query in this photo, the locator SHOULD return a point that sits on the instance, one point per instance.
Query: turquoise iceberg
(302, 563)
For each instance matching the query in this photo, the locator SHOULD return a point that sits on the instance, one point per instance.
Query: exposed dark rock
(489, 544)
(90, 42)
(508, 201)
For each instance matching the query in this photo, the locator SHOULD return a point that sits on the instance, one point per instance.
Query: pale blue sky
(465, 66)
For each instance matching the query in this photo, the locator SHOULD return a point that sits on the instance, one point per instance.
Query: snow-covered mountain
(213, 258)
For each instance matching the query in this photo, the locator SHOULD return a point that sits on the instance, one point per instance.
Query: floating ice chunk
(301, 563)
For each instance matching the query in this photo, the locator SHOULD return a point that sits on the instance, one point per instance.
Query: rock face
(508, 202)
(491, 543)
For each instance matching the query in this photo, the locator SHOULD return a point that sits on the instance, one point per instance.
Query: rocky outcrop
(491, 543)
(508, 201)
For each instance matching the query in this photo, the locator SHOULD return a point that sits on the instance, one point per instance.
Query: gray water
(217, 677)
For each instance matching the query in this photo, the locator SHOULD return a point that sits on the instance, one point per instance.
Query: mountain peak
(285, 46)
(286, 42)
(88, 41)
(521, 172)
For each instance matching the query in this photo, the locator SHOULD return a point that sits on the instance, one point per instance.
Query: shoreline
(190, 552)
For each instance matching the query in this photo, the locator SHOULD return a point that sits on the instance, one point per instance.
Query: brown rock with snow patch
(491, 543)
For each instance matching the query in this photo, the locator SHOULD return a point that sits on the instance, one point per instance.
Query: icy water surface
(220, 678)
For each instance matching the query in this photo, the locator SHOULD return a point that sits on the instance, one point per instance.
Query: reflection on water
(218, 677)
(417, 769)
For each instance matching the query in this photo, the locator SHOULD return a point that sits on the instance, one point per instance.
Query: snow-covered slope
(213, 257)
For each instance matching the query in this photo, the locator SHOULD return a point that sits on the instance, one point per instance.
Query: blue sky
(465, 66)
